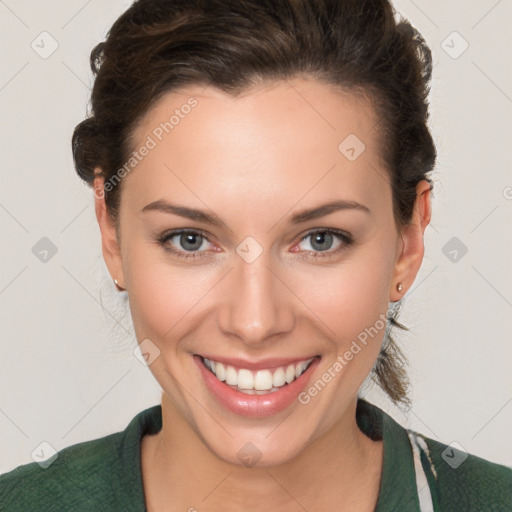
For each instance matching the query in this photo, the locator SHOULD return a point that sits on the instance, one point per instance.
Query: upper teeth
(260, 379)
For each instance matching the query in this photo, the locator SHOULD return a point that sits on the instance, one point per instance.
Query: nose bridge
(256, 306)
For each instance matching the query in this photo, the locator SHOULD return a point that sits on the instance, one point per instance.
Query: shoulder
(458, 481)
(78, 475)
(468, 482)
(100, 474)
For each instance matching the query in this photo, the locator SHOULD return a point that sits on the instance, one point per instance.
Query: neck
(181, 471)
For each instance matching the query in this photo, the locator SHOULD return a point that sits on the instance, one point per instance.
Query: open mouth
(257, 382)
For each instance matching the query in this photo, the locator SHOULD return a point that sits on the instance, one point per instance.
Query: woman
(261, 178)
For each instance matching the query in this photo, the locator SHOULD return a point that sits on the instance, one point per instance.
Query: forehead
(304, 108)
(275, 142)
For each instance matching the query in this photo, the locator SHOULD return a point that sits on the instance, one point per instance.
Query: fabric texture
(419, 474)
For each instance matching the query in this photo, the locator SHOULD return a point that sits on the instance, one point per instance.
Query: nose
(257, 304)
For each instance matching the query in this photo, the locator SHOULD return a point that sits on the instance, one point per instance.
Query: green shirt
(105, 474)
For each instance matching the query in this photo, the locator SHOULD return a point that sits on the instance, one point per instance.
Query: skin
(254, 161)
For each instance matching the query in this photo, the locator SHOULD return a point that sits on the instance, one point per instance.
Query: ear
(109, 239)
(410, 249)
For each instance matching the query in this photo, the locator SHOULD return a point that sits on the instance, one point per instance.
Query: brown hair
(158, 46)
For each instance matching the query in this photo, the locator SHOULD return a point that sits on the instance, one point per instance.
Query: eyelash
(346, 238)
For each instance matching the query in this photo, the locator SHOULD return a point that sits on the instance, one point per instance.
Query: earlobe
(403, 265)
(109, 240)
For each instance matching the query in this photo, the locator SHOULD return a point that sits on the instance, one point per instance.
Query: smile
(255, 389)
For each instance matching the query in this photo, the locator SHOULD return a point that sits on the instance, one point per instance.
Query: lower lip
(253, 406)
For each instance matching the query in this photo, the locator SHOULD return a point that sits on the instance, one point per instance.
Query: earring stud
(399, 287)
(119, 289)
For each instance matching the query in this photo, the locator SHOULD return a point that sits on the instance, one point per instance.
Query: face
(227, 252)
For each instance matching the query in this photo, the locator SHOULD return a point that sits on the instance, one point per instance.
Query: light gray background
(67, 371)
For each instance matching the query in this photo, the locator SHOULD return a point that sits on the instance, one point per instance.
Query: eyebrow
(297, 218)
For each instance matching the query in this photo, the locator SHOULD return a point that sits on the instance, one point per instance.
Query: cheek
(162, 295)
(351, 299)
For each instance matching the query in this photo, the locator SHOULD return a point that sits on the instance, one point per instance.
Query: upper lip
(269, 363)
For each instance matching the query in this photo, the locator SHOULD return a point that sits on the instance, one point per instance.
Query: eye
(187, 243)
(189, 240)
(322, 241)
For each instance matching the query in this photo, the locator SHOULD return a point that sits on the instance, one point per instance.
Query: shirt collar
(131, 497)
(398, 482)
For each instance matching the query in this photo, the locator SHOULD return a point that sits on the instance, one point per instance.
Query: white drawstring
(422, 486)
